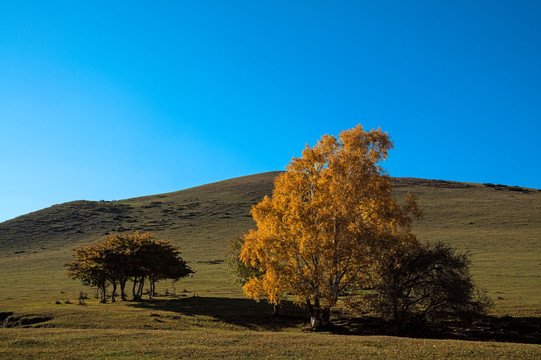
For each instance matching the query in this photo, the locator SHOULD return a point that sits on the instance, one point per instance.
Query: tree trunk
(114, 292)
(103, 293)
(396, 318)
(140, 290)
(152, 291)
(399, 318)
(133, 288)
(122, 289)
(326, 317)
(318, 318)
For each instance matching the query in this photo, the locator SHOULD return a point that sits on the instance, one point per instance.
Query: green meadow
(206, 316)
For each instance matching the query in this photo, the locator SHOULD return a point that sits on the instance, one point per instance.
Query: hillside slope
(499, 225)
(215, 210)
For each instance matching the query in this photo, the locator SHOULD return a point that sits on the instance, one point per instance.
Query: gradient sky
(111, 99)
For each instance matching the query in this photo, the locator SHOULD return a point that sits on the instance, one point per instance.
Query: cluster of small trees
(332, 227)
(127, 257)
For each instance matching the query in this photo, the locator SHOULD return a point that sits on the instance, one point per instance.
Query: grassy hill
(211, 210)
(499, 225)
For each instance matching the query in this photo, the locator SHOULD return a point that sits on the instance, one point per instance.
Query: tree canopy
(123, 257)
(329, 219)
(428, 283)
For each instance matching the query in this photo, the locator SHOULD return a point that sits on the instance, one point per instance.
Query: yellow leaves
(329, 215)
(411, 205)
(254, 289)
(265, 288)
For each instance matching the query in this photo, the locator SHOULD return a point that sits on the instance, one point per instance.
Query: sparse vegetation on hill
(197, 211)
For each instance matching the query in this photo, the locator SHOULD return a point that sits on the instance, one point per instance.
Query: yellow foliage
(330, 217)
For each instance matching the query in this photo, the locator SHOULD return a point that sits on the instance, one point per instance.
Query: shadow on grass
(241, 312)
(490, 328)
(8, 319)
(259, 316)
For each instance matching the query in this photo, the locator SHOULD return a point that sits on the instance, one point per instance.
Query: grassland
(213, 344)
(208, 318)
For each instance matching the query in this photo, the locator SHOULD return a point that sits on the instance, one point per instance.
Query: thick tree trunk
(400, 321)
(315, 321)
(325, 317)
(399, 317)
(319, 318)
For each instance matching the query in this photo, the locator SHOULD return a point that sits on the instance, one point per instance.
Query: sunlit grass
(213, 344)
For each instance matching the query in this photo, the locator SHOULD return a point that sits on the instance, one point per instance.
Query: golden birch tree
(330, 217)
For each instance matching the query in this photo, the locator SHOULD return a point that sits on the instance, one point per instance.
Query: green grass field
(208, 317)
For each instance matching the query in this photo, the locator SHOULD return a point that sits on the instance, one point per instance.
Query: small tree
(429, 283)
(169, 266)
(238, 270)
(89, 267)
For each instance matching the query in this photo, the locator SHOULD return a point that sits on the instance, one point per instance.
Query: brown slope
(221, 207)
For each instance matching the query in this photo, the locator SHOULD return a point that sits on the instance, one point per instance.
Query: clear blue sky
(111, 100)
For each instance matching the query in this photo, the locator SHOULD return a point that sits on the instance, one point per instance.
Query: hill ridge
(81, 219)
(209, 205)
(397, 182)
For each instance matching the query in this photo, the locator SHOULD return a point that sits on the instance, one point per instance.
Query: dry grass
(212, 344)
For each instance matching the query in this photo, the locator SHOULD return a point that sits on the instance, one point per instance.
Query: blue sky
(111, 100)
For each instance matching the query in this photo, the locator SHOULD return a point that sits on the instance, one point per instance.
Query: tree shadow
(259, 316)
(242, 312)
(490, 328)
